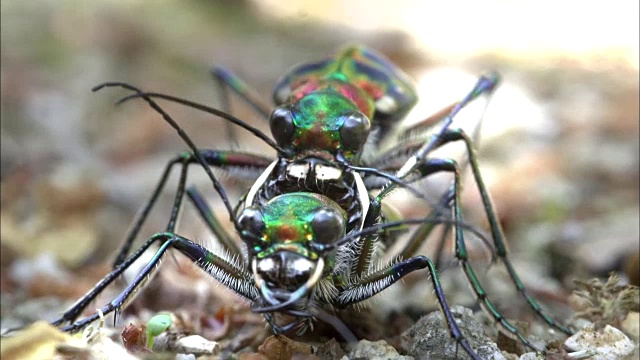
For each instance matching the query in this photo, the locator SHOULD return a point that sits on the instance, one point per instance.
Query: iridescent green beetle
(331, 107)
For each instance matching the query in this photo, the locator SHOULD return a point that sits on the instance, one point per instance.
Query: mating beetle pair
(313, 222)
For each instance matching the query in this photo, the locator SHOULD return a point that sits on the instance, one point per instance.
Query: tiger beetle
(312, 227)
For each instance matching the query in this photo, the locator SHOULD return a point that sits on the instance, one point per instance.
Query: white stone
(530, 356)
(197, 345)
(185, 357)
(605, 344)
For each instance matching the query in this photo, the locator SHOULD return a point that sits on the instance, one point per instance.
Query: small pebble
(631, 325)
(196, 344)
(605, 344)
(429, 337)
(185, 357)
(281, 347)
(376, 350)
(531, 356)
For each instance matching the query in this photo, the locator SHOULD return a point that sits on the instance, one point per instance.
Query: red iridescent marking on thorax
(371, 88)
(355, 94)
(288, 233)
(360, 98)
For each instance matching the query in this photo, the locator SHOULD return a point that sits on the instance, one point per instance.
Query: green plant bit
(156, 326)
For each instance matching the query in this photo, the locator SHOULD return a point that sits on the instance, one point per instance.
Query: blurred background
(559, 147)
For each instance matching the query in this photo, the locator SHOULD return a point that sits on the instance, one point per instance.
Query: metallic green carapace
(322, 95)
(289, 223)
(367, 70)
(318, 118)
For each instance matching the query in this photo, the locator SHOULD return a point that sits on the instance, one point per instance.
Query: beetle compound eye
(281, 124)
(250, 220)
(328, 226)
(355, 130)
